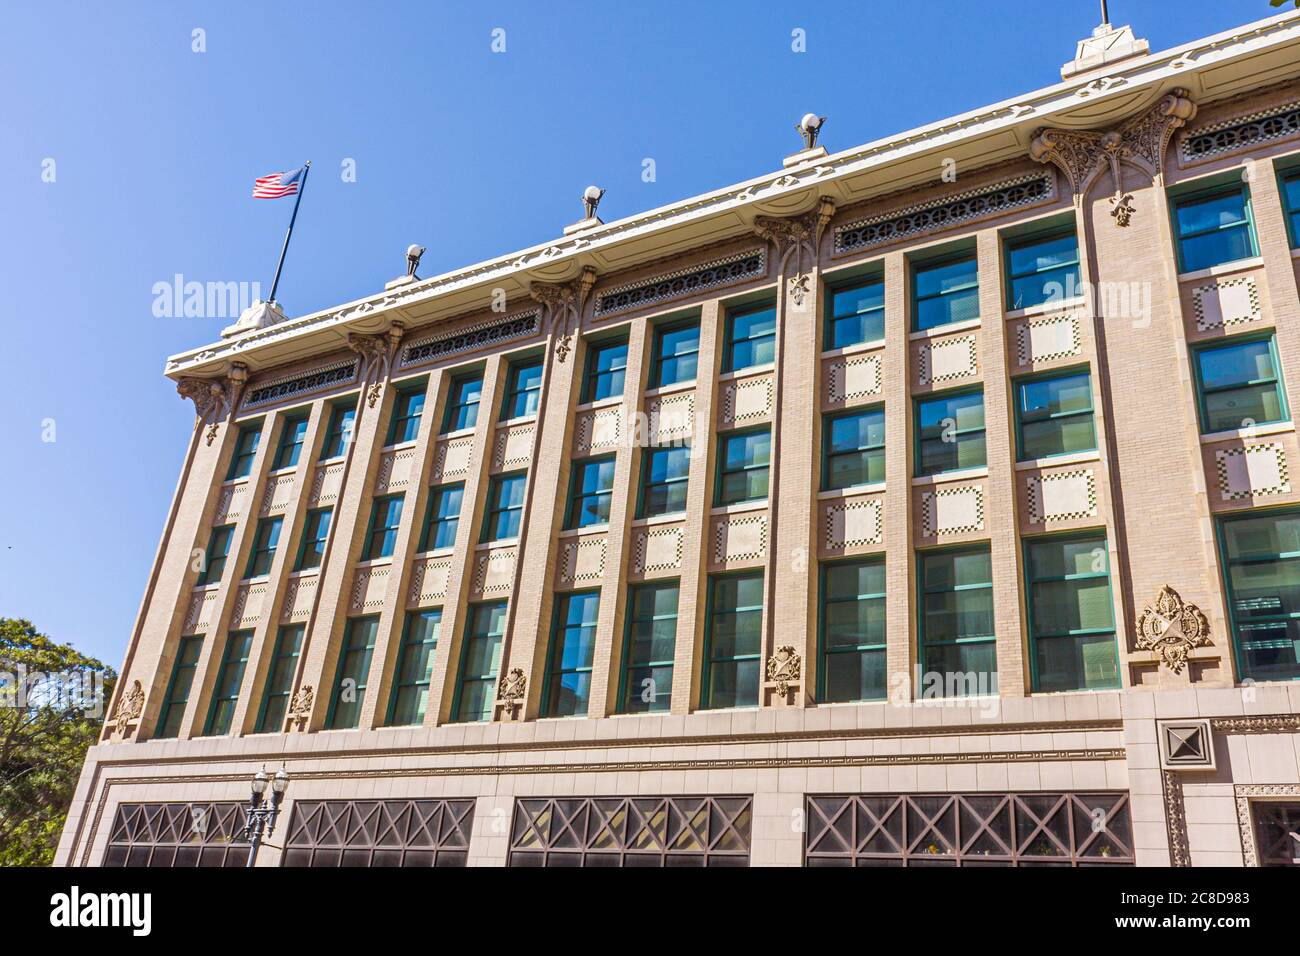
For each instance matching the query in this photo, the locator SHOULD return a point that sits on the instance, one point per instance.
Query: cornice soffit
(1090, 101)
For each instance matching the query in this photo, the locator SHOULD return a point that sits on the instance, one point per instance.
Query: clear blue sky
(468, 152)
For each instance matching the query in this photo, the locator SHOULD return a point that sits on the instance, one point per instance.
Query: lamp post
(261, 815)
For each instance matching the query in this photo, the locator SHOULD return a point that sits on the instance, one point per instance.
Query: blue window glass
(342, 418)
(245, 451)
(443, 519)
(573, 646)
(950, 433)
(606, 367)
(944, 292)
(353, 673)
(385, 517)
(177, 695)
(1239, 385)
(1043, 268)
(524, 392)
(292, 435)
(315, 533)
(751, 338)
(853, 631)
(265, 543)
(1262, 566)
(676, 354)
(505, 507)
(407, 409)
(855, 449)
(665, 473)
(743, 466)
(214, 563)
(857, 315)
(410, 699)
(462, 402)
(591, 492)
(733, 641)
(279, 681)
(649, 648)
(1054, 415)
(1214, 228)
(1291, 202)
(480, 662)
(958, 646)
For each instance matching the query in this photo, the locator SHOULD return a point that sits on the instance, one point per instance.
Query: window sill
(673, 518)
(1225, 268)
(1240, 434)
(286, 470)
(587, 529)
(435, 553)
(458, 433)
(209, 586)
(670, 389)
(234, 481)
(401, 445)
(872, 346)
(521, 420)
(873, 488)
(337, 459)
(943, 477)
(739, 507)
(375, 562)
(304, 573)
(611, 402)
(747, 372)
(499, 543)
(941, 330)
(1050, 461)
(1045, 308)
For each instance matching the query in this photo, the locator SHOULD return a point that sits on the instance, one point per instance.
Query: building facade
(925, 502)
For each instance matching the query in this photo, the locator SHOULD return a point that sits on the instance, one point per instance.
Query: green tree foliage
(46, 726)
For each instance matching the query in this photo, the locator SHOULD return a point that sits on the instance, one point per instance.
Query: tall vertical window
(854, 446)
(751, 338)
(523, 390)
(462, 402)
(743, 468)
(279, 681)
(1238, 385)
(1291, 201)
(385, 518)
(733, 641)
(407, 409)
(606, 368)
(1054, 415)
(265, 543)
(315, 534)
(944, 292)
(443, 518)
(950, 433)
(410, 698)
(214, 562)
(225, 693)
(342, 418)
(649, 646)
(855, 315)
(480, 662)
(1261, 555)
(958, 645)
(676, 354)
(665, 473)
(292, 435)
(1043, 268)
(245, 451)
(505, 507)
(573, 645)
(852, 631)
(177, 695)
(1214, 227)
(353, 673)
(591, 492)
(1071, 619)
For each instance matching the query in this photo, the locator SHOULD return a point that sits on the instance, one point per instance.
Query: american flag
(277, 184)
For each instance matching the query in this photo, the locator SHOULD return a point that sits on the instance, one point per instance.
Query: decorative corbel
(1140, 141)
(796, 240)
(563, 303)
(376, 353)
(214, 398)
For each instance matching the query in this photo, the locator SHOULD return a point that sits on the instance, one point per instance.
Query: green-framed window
(956, 640)
(853, 449)
(523, 389)
(1071, 617)
(408, 408)
(342, 419)
(945, 291)
(505, 507)
(292, 434)
(279, 680)
(443, 518)
(1214, 226)
(265, 543)
(241, 463)
(463, 397)
(480, 662)
(676, 354)
(591, 492)
(1239, 384)
(214, 559)
(751, 338)
(1054, 415)
(353, 673)
(649, 646)
(410, 698)
(230, 676)
(1291, 203)
(1261, 562)
(1043, 268)
(950, 432)
(605, 371)
(315, 534)
(852, 631)
(177, 695)
(569, 657)
(385, 518)
(743, 466)
(733, 641)
(855, 314)
(665, 473)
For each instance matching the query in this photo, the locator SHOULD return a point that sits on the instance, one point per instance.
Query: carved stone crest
(1172, 628)
(784, 668)
(300, 706)
(513, 685)
(127, 712)
(1121, 207)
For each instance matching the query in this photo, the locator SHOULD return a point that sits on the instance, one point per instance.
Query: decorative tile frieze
(1252, 471)
(740, 538)
(298, 596)
(278, 495)
(453, 458)
(429, 581)
(513, 447)
(598, 430)
(945, 212)
(198, 619)
(582, 560)
(326, 483)
(1241, 132)
(369, 588)
(248, 604)
(945, 360)
(657, 549)
(957, 510)
(1047, 339)
(671, 418)
(1220, 305)
(854, 377)
(231, 502)
(682, 282)
(1062, 496)
(395, 470)
(853, 523)
(746, 400)
(494, 572)
(291, 386)
(491, 331)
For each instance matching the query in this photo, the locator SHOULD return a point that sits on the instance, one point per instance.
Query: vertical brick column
(900, 623)
(1279, 273)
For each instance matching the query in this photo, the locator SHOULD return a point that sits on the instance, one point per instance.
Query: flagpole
(302, 188)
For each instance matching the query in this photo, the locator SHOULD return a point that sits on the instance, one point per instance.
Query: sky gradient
(468, 152)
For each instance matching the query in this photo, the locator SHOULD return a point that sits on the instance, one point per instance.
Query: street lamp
(261, 815)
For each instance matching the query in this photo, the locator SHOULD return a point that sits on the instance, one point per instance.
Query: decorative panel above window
(1241, 132)
(683, 282)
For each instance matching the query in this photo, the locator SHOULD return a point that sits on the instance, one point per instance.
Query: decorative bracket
(563, 303)
(214, 398)
(376, 353)
(796, 240)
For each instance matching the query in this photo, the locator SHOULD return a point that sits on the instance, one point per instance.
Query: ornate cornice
(214, 398)
(562, 306)
(376, 353)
